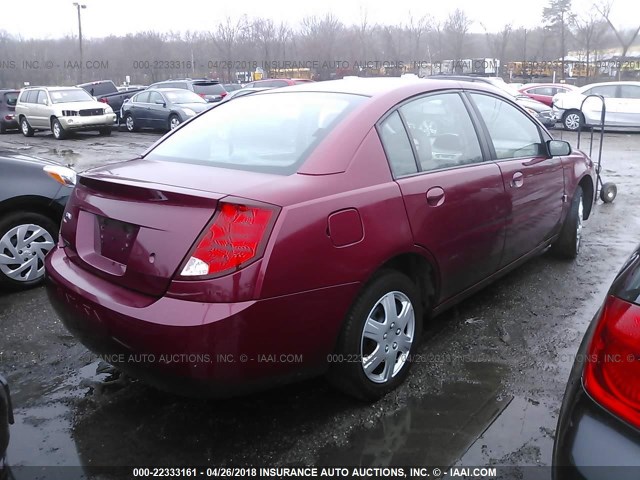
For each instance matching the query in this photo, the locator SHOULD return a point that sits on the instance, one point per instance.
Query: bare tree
(605, 11)
(226, 39)
(498, 42)
(456, 28)
(417, 29)
(590, 29)
(558, 16)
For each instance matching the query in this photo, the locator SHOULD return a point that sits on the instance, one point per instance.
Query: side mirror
(558, 148)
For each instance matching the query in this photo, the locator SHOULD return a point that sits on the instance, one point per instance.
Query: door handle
(435, 196)
(517, 180)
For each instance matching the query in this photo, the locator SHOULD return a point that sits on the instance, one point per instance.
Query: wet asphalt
(486, 390)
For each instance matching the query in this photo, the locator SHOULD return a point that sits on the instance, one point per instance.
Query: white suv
(62, 110)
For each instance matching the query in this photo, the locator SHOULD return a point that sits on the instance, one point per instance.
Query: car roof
(167, 90)
(380, 86)
(53, 88)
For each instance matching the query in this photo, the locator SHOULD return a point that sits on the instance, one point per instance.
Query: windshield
(11, 98)
(67, 96)
(184, 96)
(271, 133)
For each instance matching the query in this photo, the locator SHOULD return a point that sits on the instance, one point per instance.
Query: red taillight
(202, 95)
(612, 371)
(235, 238)
(222, 95)
(103, 100)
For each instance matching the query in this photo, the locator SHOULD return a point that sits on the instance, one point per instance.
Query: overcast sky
(57, 18)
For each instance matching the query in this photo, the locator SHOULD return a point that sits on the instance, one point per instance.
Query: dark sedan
(33, 193)
(6, 419)
(8, 100)
(162, 108)
(599, 424)
(307, 229)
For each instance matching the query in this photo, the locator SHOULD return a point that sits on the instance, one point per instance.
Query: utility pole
(78, 7)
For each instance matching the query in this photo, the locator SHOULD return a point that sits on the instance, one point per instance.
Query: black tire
(573, 120)
(58, 131)
(608, 192)
(568, 243)
(105, 132)
(26, 129)
(130, 123)
(174, 122)
(346, 370)
(8, 223)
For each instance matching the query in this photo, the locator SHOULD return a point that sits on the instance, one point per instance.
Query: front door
(534, 183)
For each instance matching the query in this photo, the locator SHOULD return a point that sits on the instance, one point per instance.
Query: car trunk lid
(134, 233)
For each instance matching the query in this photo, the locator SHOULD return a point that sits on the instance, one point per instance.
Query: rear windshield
(270, 133)
(628, 287)
(208, 88)
(64, 96)
(11, 98)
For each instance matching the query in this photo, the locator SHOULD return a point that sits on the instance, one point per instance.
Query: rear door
(533, 182)
(629, 108)
(139, 109)
(40, 111)
(455, 200)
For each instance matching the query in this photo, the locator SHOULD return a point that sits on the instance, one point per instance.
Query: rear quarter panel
(578, 167)
(301, 255)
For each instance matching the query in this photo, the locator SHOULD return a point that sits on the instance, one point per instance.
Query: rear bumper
(194, 348)
(10, 124)
(88, 123)
(593, 444)
(6, 417)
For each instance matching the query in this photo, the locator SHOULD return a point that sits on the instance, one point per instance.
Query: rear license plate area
(115, 238)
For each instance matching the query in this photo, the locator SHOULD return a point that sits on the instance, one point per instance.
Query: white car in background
(622, 100)
(62, 110)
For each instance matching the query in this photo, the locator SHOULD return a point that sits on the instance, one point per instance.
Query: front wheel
(58, 131)
(379, 337)
(568, 243)
(174, 121)
(25, 240)
(573, 120)
(130, 123)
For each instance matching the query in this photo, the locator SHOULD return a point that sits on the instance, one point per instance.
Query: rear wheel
(379, 337)
(26, 129)
(570, 239)
(58, 131)
(573, 120)
(25, 240)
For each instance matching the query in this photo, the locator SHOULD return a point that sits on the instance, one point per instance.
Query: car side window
(630, 91)
(542, 91)
(42, 97)
(397, 146)
(142, 97)
(29, 96)
(155, 97)
(514, 135)
(442, 131)
(607, 91)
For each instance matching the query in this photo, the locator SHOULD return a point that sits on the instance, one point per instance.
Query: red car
(277, 82)
(310, 229)
(544, 92)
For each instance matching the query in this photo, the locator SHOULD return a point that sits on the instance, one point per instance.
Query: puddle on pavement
(41, 435)
(430, 430)
(67, 155)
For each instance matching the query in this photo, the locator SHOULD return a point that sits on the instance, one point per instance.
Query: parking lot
(487, 387)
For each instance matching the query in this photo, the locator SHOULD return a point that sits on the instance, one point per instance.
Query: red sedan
(310, 230)
(544, 92)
